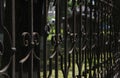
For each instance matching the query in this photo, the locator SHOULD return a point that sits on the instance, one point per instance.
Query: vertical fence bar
(79, 37)
(13, 22)
(107, 38)
(114, 34)
(13, 38)
(57, 41)
(32, 39)
(44, 40)
(101, 36)
(94, 29)
(73, 31)
(105, 35)
(110, 46)
(110, 38)
(21, 71)
(90, 39)
(65, 42)
(98, 37)
(85, 25)
(1, 13)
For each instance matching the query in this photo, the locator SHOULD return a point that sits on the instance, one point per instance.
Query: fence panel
(59, 39)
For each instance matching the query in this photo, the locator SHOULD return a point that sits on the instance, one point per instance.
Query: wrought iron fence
(79, 40)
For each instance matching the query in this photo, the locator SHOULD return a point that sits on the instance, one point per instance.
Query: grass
(60, 74)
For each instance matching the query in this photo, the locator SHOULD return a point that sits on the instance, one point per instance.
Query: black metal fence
(59, 39)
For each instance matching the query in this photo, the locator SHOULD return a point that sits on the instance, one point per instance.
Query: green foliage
(70, 3)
